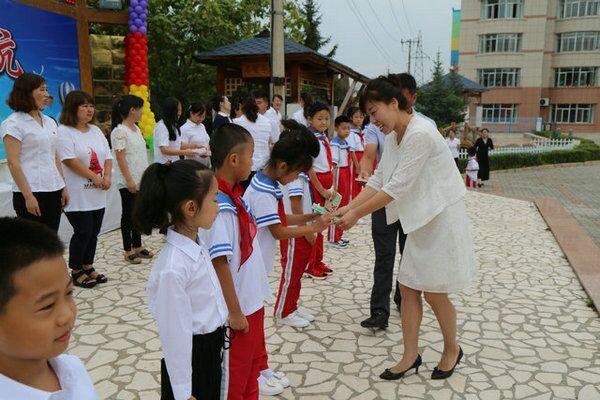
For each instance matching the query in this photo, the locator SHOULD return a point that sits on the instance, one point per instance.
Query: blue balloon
(63, 90)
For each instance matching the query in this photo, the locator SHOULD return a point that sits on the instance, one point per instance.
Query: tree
(313, 38)
(442, 99)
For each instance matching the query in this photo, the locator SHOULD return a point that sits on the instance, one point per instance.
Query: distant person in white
(262, 101)
(453, 144)
(167, 135)
(193, 131)
(37, 317)
(417, 184)
(275, 109)
(300, 115)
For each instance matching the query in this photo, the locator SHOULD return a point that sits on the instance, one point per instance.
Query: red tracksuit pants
(316, 257)
(295, 255)
(356, 186)
(244, 360)
(342, 184)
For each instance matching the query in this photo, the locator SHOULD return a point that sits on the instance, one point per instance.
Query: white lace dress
(421, 176)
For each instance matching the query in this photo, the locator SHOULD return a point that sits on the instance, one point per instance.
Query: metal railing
(539, 145)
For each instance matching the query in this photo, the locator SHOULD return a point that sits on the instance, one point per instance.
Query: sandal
(87, 282)
(133, 258)
(91, 272)
(145, 254)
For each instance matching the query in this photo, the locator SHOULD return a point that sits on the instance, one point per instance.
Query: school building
(539, 59)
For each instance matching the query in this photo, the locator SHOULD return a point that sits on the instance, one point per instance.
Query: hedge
(587, 150)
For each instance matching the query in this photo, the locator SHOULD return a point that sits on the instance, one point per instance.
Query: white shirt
(134, 146)
(419, 173)
(355, 140)
(454, 146)
(75, 383)
(262, 196)
(38, 150)
(161, 139)
(264, 133)
(273, 114)
(472, 168)
(320, 162)
(299, 117)
(298, 188)
(185, 299)
(223, 239)
(339, 152)
(91, 148)
(196, 133)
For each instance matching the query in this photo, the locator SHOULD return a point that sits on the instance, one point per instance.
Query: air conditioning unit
(544, 102)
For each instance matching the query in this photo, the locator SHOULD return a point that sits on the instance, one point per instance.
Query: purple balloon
(138, 22)
(142, 16)
(130, 9)
(133, 15)
(143, 3)
(133, 28)
(143, 30)
(138, 9)
(134, 3)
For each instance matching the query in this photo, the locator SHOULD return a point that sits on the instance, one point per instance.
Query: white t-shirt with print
(91, 148)
(133, 144)
(161, 139)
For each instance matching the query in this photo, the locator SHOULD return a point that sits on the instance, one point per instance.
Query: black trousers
(131, 237)
(86, 226)
(207, 360)
(50, 207)
(384, 240)
(246, 183)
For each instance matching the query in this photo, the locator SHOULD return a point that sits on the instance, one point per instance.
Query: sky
(388, 22)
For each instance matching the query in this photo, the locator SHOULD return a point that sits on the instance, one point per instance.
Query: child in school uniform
(356, 140)
(237, 258)
(37, 316)
(184, 294)
(321, 180)
(291, 155)
(342, 174)
(472, 169)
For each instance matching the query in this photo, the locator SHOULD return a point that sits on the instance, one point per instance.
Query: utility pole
(277, 52)
(417, 63)
(409, 42)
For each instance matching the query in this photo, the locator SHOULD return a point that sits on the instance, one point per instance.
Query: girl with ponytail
(184, 294)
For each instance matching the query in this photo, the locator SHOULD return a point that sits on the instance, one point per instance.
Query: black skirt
(207, 368)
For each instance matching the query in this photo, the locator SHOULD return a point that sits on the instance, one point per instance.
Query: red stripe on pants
(295, 255)
(316, 257)
(247, 356)
(356, 186)
(343, 187)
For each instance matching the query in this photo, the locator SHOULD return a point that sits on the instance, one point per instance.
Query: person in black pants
(132, 239)
(50, 207)
(82, 248)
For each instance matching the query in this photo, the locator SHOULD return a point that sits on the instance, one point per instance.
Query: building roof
(261, 46)
(467, 84)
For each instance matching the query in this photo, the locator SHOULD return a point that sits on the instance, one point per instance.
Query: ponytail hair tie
(163, 170)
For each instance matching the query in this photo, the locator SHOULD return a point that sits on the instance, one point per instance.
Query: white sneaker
(282, 379)
(269, 387)
(293, 320)
(304, 314)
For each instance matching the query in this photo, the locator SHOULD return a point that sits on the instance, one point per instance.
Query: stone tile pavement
(524, 325)
(577, 187)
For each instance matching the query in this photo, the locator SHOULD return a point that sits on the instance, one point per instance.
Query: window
(579, 8)
(579, 41)
(499, 113)
(573, 113)
(500, 43)
(496, 9)
(499, 77)
(575, 76)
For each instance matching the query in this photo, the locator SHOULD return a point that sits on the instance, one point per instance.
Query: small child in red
(342, 179)
(472, 169)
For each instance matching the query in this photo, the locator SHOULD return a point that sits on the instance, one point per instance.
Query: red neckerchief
(323, 138)
(247, 225)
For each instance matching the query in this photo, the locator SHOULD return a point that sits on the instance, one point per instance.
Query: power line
(381, 24)
(398, 24)
(406, 17)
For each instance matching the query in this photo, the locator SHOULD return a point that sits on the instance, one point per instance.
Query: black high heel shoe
(388, 375)
(440, 374)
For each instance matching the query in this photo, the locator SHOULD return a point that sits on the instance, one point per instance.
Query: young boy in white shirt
(37, 316)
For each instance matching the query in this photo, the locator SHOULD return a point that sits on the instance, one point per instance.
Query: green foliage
(313, 38)
(440, 100)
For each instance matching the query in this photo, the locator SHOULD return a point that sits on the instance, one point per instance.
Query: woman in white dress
(417, 183)
(193, 131)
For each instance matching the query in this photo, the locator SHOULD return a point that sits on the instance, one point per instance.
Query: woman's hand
(341, 211)
(238, 322)
(106, 182)
(64, 197)
(348, 220)
(131, 186)
(98, 181)
(32, 205)
(188, 153)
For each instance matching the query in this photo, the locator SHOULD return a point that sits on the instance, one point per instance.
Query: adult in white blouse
(417, 184)
(453, 144)
(262, 101)
(39, 190)
(263, 133)
(130, 152)
(167, 136)
(193, 131)
(84, 151)
(300, 115)
(275, 109)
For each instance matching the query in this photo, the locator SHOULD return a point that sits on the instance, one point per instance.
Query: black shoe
(392, 376)
(439, 374)
(379, 321)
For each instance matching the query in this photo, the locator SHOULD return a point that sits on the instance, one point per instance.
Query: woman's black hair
(162, 190)
(236, 102)
(250, 108)
(296, 146)
(224, 140)
(315, 108)
(308, 101)
(197, 107)
(122, 106)
(73, 101)
(216, 102)
(385, 89)
(472, 151)
(170, 117)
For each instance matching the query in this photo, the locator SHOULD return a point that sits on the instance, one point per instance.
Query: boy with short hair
(342, 174)
(37, 315)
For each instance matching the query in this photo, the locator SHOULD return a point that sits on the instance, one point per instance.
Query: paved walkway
(524, 325)
(576, 187)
